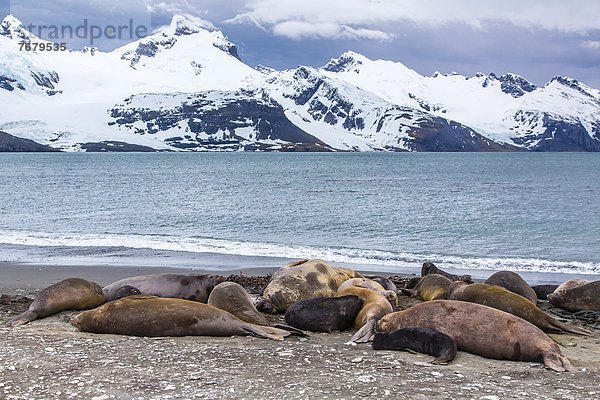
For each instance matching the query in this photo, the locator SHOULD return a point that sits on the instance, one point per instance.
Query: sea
(534, 213)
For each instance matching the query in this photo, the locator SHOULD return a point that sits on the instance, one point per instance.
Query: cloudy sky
(536, 39)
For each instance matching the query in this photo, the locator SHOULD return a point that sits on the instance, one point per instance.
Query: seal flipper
(22, 319)
(266, 332)
(570, 328)
(557, 362)
(293, 331)
(365, 333)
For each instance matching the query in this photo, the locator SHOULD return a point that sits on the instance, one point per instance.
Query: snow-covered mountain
(185, 88)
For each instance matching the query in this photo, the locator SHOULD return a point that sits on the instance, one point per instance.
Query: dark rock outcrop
(10, 143)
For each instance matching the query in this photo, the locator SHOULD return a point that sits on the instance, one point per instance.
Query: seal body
(324, 314)
(429, 268)
(422, 340)
(482, 330)
(430, 287)
(123, 291)
(303, 280)
(542, 291)
(233, 298)
(68, 294)
(513, 282)
(362, 282)
(375, 305)
(584, 297)
(502, 299)
(386, 283)
(156, 316)
(189, 287)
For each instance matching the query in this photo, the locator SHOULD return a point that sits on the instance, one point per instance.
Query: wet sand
(49, 359)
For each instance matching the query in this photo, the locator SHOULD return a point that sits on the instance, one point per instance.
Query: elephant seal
(153, 316)
(585, 297)
(422, 340)
(123, 291)
(362, 282)
(386, 283)
(375, 305)
(512, 281)
(431, 287)
(502, 299)
(483, 331)
(233, 298)
(542, 291)
(305, 279)
(68, 294)
(324, 314)
(189, 287)
(367, 283)
(429, 268)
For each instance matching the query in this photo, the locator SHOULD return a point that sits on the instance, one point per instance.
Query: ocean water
(384, 212)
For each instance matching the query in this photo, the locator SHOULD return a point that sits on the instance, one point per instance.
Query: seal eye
(98, 289)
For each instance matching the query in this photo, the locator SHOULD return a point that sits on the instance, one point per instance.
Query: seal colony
(322, 298)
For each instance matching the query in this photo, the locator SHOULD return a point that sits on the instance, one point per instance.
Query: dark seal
(324, 314)
(123, 291)
(542, 291)
(429, 268)
(421, 340)
(513, 282)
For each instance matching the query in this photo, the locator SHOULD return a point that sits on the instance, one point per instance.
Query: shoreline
(24, 277)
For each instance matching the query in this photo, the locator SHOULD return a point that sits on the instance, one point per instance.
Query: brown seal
(430, 287)
(233, 298)
(68, 294)
(152, 316)
(375, 305)
(482, 330)
(512, 281)
(429, 268)
(502, 299)
(584, 297)
(305, 279)
(189, 287)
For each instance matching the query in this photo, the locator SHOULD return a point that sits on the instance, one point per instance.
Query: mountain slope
(185, 88)
(10, 143)
(506, 108)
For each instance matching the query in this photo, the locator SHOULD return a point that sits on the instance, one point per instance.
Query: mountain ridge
(185, 88)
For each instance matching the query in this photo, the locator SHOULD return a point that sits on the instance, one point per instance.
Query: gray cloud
(536, 39)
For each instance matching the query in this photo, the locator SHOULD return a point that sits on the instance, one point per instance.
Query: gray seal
(189, 287)
(585, 297)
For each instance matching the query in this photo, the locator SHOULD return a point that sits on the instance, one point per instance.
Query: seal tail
(557, 362)
(571, 328)
(365, 333)
(22, 319)
(266, 332)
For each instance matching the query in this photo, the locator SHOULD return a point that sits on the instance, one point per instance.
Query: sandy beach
(49, 359)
